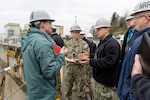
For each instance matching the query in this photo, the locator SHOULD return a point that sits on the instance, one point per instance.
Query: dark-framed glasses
(46, 21)
(49, 22)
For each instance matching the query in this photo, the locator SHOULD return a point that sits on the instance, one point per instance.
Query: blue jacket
(41, 65)
(124, 85)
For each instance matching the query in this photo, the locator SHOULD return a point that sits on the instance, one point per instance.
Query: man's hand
(84, 58)
(137, 67)
(82, 55)
(85, 61)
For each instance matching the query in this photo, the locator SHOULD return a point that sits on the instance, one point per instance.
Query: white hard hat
(102, 22)
(40, 15)
(143, 5)
(82, 32)
(89, 35)
(129, 17)
(75, 27)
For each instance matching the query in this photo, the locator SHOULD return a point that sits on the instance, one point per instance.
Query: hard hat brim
(130, 17)
(136, 12)
(100, 26)
(52, 20)
(75, 30)
(82, 32)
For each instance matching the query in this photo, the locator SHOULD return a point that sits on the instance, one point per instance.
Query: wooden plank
(18, 81)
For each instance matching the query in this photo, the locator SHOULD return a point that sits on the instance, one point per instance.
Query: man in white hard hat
(129, 35)
(141, 83)
(83, 36)
(89, 37)
(104, 63)
(75, 72)
(142, 24)
(41, 64)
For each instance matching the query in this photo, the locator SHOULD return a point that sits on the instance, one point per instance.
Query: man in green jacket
(41, 64)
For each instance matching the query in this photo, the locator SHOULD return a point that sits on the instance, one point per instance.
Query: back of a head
(142, 6)
(102, 22)
(75, 27)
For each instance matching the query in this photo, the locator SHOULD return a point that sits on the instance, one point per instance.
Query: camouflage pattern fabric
(74, 71)
(102, 92)
(88, 74)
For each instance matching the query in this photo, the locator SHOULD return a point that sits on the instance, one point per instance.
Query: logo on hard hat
(32, 15)
(144, 5)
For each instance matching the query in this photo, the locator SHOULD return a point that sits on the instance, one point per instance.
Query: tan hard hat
(75, 27)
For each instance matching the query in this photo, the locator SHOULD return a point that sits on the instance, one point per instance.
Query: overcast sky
(64, 11)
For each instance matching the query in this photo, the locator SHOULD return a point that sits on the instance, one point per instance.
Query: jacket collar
(109, 36)
(140, 33)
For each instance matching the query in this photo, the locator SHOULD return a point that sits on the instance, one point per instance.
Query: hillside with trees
(118, 24)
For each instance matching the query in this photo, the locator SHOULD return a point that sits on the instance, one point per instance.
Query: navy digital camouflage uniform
(75, 72)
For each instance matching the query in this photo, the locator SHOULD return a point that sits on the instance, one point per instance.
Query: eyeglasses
(47, 21)
(136, 17)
